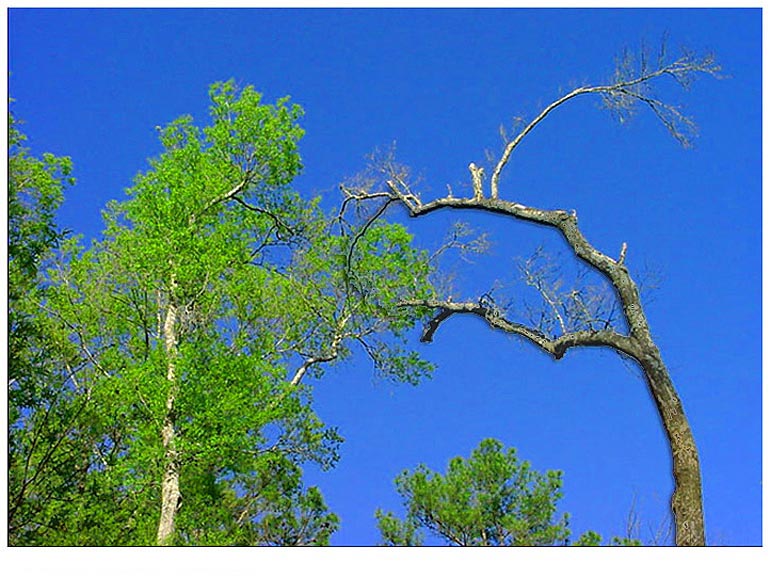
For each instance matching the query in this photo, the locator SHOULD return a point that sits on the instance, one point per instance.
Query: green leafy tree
(268, 507)
(44, 457)
(35, 191)
(490, 499)
(215, 292)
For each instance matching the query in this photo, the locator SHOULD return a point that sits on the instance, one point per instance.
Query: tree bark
(687, 499)
(170, 493)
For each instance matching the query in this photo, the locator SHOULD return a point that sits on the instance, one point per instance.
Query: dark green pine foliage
(489, 499)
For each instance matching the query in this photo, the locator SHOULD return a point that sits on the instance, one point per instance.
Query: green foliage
(266, 506)
(215, 291)
(490, 499)
(616, 541)
(359, 272)
(589, 538)
(35, 191)
(45, 457)
(395, 532)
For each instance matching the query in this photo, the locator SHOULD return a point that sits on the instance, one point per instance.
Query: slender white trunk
(170, 488)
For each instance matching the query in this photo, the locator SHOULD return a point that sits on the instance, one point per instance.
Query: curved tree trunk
(687, 500)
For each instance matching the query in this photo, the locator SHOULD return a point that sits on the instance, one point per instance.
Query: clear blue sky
(93, 84)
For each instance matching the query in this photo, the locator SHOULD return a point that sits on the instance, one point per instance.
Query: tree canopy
(184, 336)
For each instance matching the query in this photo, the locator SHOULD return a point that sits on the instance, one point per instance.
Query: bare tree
(574, 319)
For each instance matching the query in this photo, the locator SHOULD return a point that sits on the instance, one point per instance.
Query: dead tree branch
(555, 347)
(632, 85)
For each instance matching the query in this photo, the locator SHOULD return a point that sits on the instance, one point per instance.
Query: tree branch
(231, 194)
(556, 347)
(621, 95)
(278, 222)
(332, 354)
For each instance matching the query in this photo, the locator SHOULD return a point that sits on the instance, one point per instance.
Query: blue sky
(93, 84)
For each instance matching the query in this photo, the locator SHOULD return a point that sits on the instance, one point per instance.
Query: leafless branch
(585, 307)
(556, 347)
(631, 85)
(461, 237)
